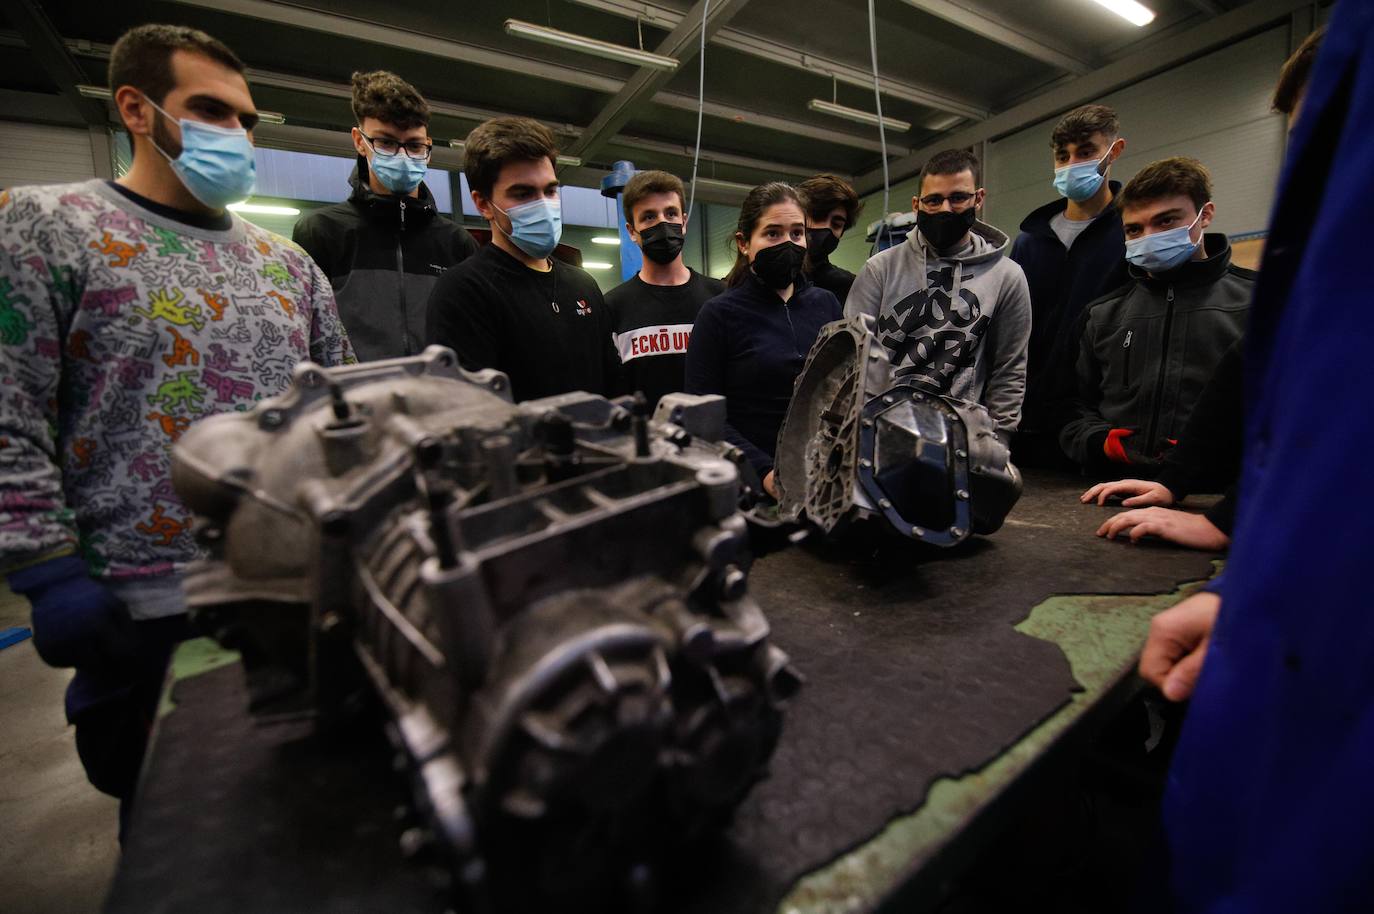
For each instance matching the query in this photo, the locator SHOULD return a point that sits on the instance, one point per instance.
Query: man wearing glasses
(384, 248)
(952, 310)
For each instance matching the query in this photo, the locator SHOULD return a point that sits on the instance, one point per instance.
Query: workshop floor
(58, 843)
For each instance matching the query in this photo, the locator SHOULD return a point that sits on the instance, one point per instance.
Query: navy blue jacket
(750, 346)
(1062, 282)
(1270, 802)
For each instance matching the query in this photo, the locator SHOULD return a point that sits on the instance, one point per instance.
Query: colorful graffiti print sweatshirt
(119, 327)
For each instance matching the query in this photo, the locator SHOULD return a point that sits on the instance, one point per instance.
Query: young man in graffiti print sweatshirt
(128, 311)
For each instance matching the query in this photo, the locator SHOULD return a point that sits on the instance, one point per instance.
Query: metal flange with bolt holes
(549, 599)
(860, 446)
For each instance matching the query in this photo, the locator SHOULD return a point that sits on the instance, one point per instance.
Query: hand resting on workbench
(1177, 645)
(1134, 493)
(1182, 527)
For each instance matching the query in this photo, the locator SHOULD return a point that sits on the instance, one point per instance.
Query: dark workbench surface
(936, 680)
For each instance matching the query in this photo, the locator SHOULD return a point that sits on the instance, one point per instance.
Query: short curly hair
(383, 95)
(1168, 178)
(1081, 123)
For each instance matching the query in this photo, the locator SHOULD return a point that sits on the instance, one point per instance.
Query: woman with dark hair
(750, 342)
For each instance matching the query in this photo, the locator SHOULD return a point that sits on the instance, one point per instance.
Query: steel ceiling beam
(1209, 7)
(1215, 33)
(780, 124)
(46, 45)
(282, 14)
(634, 143)
(402, 39)
(776, 52)
(466, 112)
(980, 24)
(39, 108)
(52, 108)
(683, 44)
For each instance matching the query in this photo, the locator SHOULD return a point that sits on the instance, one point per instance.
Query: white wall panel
(41, 154)
(1215, 109)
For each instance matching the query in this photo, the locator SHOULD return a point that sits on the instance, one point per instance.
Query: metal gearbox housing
(857, 445)
(550, 599)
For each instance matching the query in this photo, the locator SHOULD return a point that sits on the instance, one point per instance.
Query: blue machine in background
(890, 231)
(613, 186)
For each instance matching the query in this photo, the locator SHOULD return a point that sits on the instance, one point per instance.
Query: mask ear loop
(1197, 220)
(151, 139)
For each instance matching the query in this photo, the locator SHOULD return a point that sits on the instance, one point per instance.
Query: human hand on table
(1134, 493)
(1181, 527)
(1177, 645)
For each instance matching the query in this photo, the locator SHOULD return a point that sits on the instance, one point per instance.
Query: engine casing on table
(858, 444)
(550, 599)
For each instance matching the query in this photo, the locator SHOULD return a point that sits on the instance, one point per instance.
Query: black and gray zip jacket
(1147, 350)
(383, 255)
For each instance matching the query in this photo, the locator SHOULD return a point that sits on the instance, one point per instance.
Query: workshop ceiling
(945, 66)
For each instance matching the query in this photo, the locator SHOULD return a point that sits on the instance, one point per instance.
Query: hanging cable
(878, 100)
(701, 105)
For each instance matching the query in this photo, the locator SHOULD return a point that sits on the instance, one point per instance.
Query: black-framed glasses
(957, 200)
(416, 149)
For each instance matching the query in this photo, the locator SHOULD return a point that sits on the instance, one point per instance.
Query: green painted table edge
(1101, 635)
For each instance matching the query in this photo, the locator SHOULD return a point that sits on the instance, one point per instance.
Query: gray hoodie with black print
(958, 322)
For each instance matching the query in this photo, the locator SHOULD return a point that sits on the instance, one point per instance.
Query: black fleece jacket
(750, 345)
(1208, 454)
(1062, 282)
(383, 254)
(1145, 353)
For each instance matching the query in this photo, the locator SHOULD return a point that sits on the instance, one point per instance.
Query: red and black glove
(1114, 445)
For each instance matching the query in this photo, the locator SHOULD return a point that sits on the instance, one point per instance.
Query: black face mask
(945, 229)
(821, 243)
(661, 242)
(779, 265)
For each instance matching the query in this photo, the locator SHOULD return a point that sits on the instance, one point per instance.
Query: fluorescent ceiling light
(728, 186)
(573, 161)
(271, 117)
(262, 209)
(856, 114)
(605, 239)
(592, 46)
(595, 265)
(94, 92)
(1133, 12)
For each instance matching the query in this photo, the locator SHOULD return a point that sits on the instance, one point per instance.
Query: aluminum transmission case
(858, 446)
(550, 599)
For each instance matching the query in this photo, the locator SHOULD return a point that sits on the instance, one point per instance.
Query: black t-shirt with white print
(652, 325)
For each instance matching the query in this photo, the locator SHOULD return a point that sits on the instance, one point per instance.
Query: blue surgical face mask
(399, 174)
(535, 227)
(216, 163)
(1162, 251)
(1079, 182)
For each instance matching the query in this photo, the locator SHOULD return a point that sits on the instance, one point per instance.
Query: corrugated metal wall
(1215, 109)
(721, 222)
(39, 154)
